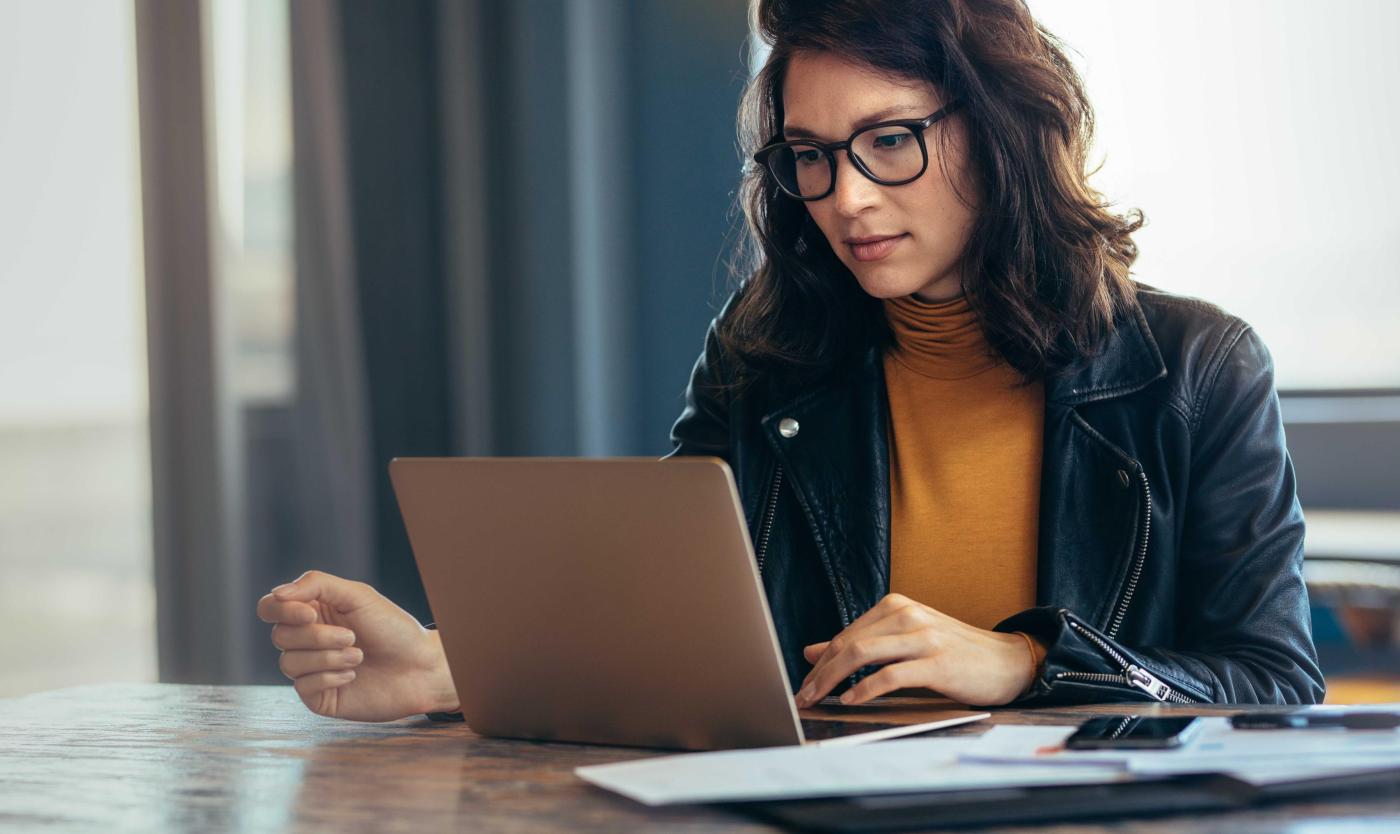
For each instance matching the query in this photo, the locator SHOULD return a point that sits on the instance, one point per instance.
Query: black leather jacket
(1171, 538)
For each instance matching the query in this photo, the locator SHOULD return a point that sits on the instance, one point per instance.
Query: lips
(874, 247)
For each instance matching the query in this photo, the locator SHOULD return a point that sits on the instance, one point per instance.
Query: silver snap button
(787, 427)
(1123, 478)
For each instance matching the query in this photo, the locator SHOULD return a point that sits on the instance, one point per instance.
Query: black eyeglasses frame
(916, 126)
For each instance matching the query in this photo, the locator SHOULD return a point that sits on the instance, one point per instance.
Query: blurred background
(252, 249)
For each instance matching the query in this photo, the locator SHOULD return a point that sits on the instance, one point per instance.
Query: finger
(894, 608)
(344, 595)
(864, 652)
(310, 687)
(896, 620)
(273, 610)
(298, 664)
(291, 637)
(892, 677)
(871, 646)
(887, 605)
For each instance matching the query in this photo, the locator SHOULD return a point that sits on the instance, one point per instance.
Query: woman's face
(924, 224)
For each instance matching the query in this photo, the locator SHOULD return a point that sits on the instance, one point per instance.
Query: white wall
(77, 600)
(1262, 140)
(71, 324)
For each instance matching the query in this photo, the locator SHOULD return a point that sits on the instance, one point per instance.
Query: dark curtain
(512, 126)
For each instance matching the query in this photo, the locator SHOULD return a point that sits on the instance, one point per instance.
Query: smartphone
(1133, 732)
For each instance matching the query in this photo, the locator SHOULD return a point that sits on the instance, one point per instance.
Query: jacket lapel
(1091, 502)
(838, 465)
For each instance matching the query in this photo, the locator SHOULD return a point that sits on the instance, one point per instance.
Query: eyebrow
(807, 133)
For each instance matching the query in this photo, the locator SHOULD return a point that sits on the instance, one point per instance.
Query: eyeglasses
(889, 153)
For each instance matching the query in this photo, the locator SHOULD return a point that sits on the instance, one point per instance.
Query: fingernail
(352, 655)
(345, 638)
(846, 697)
(805, 695)
(283, 589)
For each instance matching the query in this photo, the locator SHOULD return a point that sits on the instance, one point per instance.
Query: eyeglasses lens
(802, 170)
(892, 154)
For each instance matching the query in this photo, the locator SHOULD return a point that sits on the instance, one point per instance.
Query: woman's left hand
(921, 647)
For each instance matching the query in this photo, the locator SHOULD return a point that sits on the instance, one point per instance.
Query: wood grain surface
(161, 757)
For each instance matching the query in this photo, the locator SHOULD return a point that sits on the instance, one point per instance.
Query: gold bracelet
(1035, 658)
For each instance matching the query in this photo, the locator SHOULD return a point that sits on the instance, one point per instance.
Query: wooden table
(158, 757)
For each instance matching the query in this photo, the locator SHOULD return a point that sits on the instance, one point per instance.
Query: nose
(854, 192)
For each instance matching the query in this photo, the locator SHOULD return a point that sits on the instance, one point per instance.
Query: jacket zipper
(1133, 675)
(1139, 560)
(766, 529)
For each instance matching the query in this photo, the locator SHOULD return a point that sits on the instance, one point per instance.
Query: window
(77, 603)
(250, 92)
(1259, 138)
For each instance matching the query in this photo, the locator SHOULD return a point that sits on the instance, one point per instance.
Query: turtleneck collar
(938, 339)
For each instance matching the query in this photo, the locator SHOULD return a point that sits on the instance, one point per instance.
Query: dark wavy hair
(1047, 263)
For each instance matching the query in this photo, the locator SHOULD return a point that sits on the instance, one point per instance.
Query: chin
(886, 283)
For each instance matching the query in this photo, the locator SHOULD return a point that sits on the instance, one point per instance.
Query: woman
(975, 456)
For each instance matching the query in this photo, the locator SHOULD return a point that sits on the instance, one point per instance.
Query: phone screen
(1132, 731)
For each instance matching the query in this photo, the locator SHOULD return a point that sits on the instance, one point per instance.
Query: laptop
(607, 601)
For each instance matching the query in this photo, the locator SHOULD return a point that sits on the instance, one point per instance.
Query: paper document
(1258, 756)
(898, 766)
(1004, 756)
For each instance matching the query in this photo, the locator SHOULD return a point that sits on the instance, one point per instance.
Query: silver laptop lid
(612, 601)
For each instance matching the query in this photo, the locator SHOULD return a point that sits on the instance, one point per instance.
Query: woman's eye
(808, 157)
(891, 140)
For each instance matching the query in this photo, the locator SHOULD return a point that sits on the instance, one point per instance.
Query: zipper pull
(1147, 682)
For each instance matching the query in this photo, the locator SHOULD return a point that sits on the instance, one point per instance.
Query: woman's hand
(351, 653)
(923, 647)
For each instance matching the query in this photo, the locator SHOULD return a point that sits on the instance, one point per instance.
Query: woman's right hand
(351, 653)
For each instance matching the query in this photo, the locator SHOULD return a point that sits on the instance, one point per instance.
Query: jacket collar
(1128, 362)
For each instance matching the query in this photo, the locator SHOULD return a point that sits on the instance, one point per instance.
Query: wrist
(1033, 654)
(441, 694)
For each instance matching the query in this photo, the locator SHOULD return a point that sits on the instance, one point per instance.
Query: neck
(941, 339)
(945, 287)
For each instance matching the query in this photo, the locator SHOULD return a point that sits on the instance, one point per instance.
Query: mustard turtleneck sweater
(965, 445)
